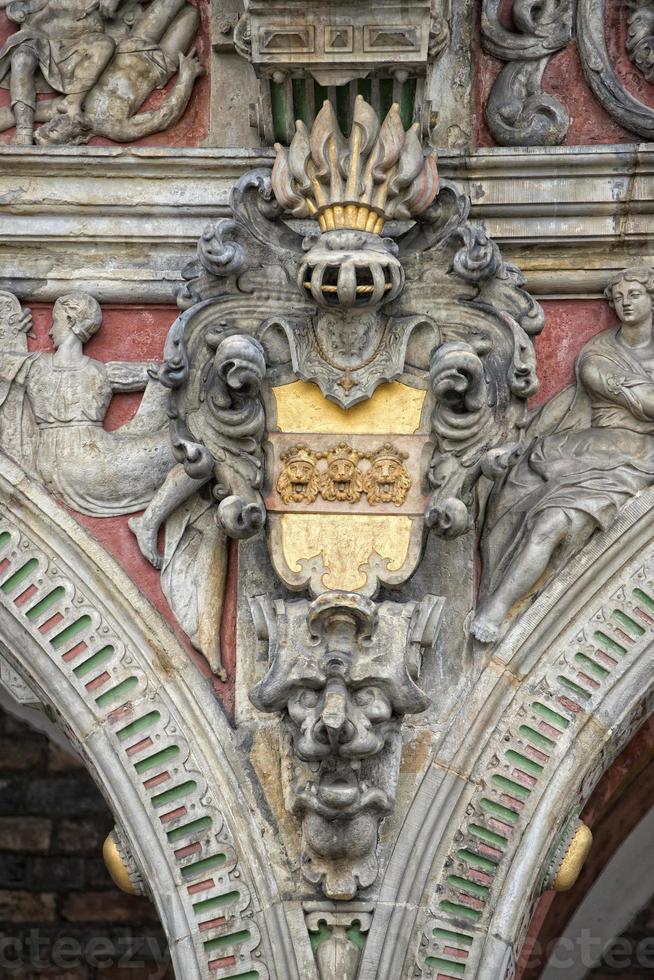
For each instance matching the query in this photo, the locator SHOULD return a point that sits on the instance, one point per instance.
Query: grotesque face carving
(343, 689)
(387, 482)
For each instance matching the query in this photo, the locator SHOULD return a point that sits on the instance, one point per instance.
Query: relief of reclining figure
(592, 450)
(104, 59)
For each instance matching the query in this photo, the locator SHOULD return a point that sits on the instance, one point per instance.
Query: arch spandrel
(530, 679)
(143, 721)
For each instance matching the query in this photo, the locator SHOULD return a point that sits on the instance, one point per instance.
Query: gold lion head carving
(387, 481)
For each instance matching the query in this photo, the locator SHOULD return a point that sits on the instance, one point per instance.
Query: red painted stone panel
(568, 325)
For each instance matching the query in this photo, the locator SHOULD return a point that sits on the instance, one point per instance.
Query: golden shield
(345, 487)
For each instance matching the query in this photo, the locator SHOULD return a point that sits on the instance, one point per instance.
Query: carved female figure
(95, 471)
(591, 456)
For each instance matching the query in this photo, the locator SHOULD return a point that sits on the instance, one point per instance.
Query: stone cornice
(123, 221)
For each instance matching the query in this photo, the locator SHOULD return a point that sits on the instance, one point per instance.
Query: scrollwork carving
(518, 112)
(601, 75)
(640, 38)
(463, 428)
(216, 427)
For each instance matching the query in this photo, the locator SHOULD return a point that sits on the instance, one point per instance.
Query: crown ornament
(379, 173)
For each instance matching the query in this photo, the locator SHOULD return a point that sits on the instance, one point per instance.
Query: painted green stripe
(536, 738)
(508, 785)
(233, 939)
(219, 902)
(553, 717)
(343, 108)
(19, 576)
(591, 667)
(477, 861)
(644, 598)
(95, 661)
(462, 911)
(471, 887)
(70, 631)
(629, 624)
(408, 101)
(116, 692)
(208, 864)
(448, 967)
(5, 538)
(499, 811)
(202, 823)
(355, 935)
(138, 726)
(49, 600)
(609, 644)
(385, 96)
(579, 691)
(161, 799)
(320, 935)
(277, 102)
(524, 763)
(300, 102)
(453, 937)
(364, 88)
(250, 975)
(488, 836)
(158, 759)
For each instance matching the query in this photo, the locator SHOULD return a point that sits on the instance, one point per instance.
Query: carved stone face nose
(334, 724)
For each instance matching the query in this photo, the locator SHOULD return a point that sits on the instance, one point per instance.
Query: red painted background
(194, 124)
(564, 79)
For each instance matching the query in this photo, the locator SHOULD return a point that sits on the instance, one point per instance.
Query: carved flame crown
(379, 173)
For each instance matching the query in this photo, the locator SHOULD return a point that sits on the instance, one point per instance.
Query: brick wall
(61, 916)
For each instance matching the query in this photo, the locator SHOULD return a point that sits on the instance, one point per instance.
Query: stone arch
(538, 726)
(76, 630)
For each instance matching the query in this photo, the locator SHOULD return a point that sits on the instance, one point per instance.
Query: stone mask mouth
(339, 795)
